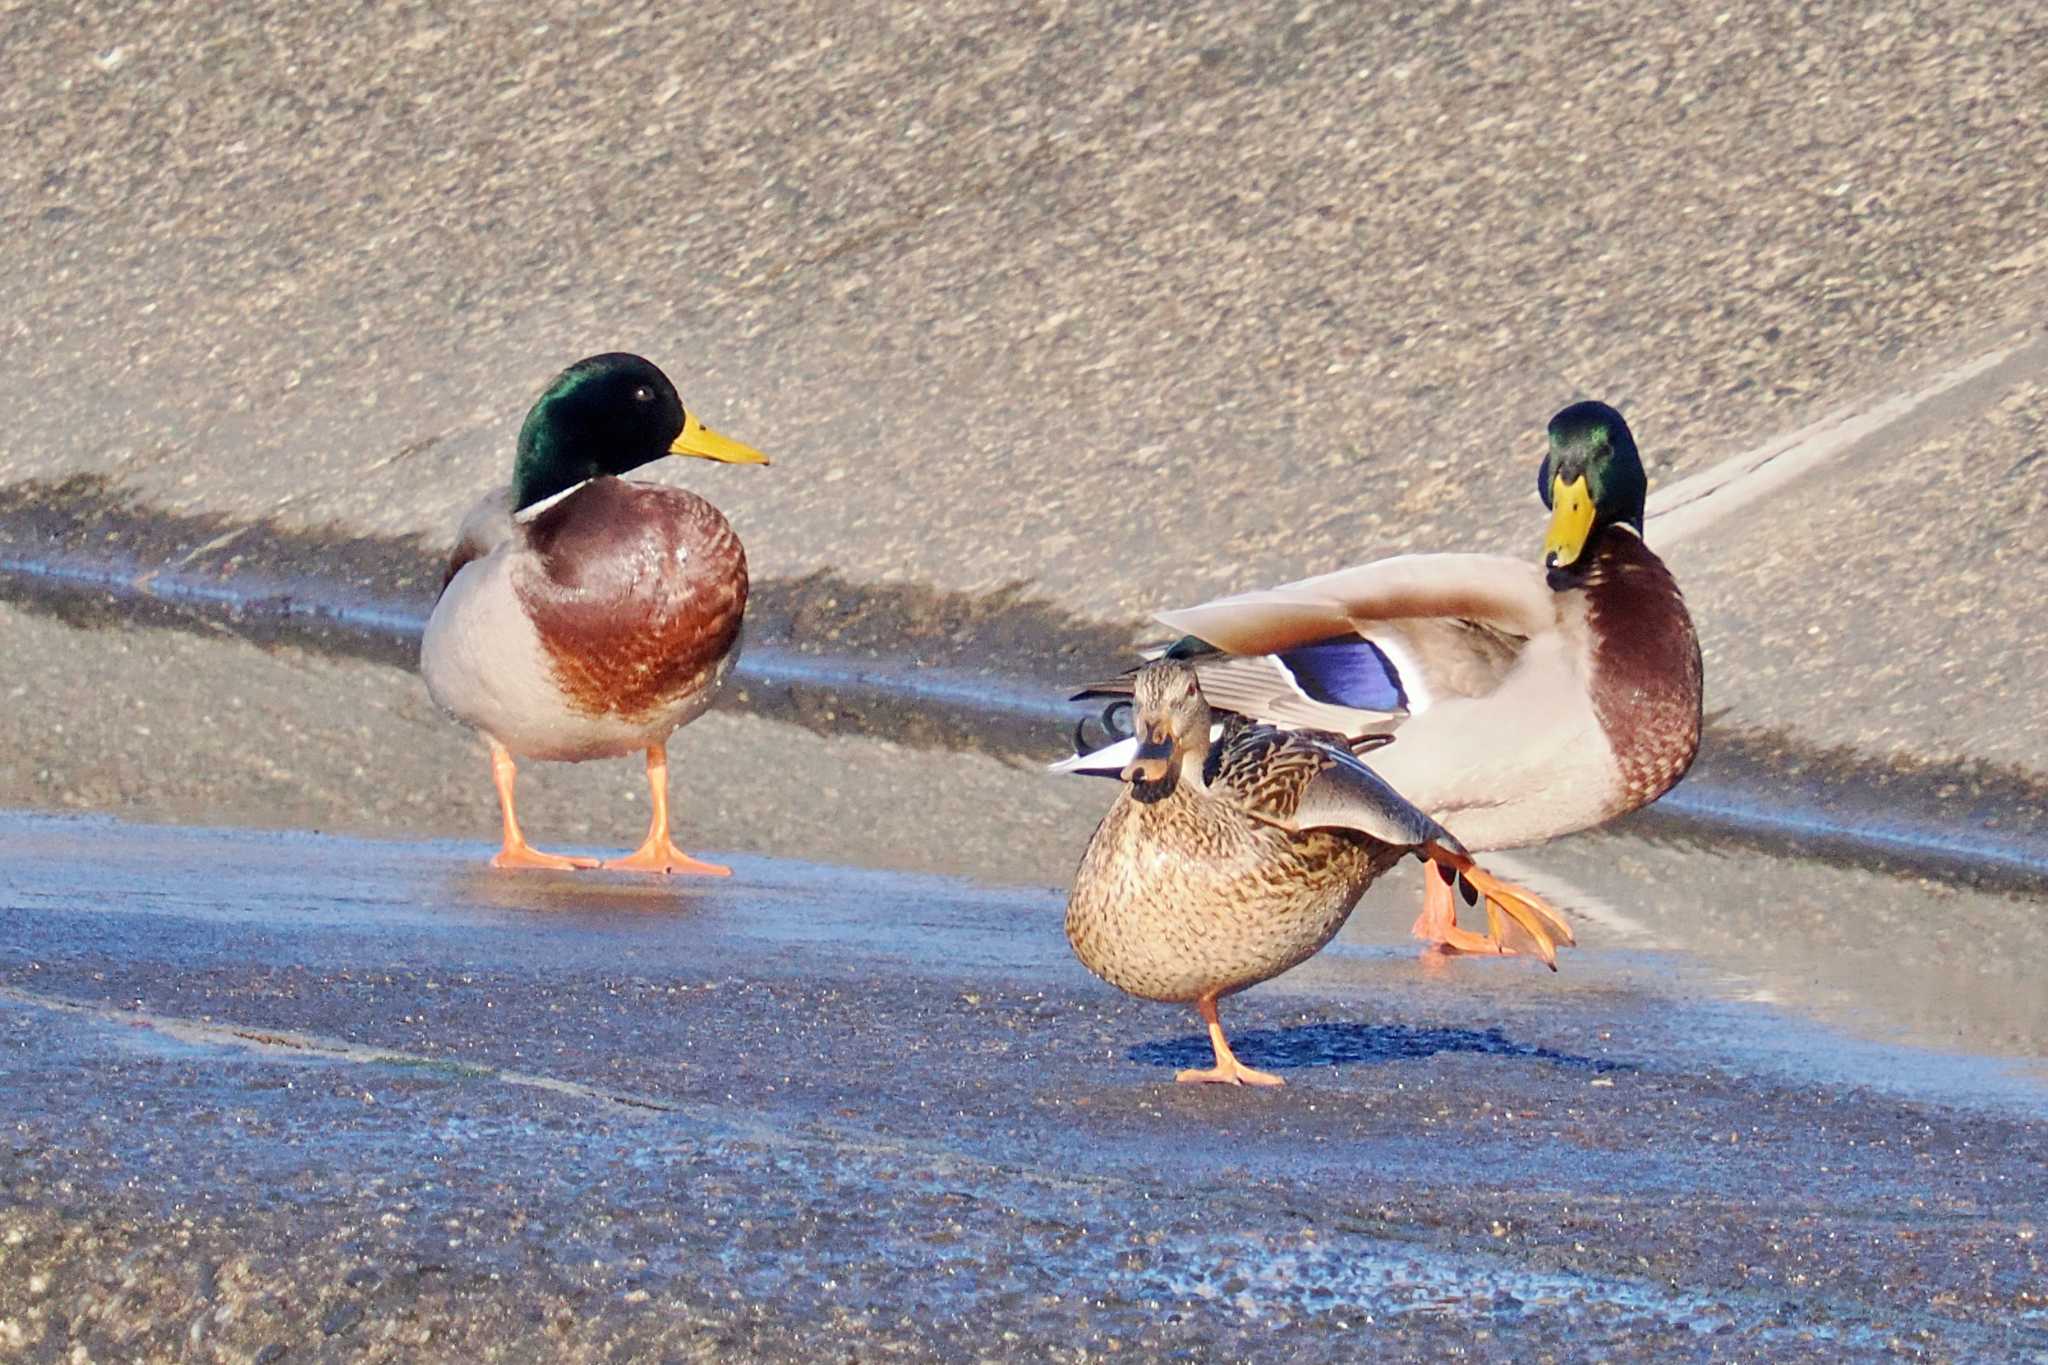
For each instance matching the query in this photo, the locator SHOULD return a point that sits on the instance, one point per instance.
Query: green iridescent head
(1591, 478)
(609, 414)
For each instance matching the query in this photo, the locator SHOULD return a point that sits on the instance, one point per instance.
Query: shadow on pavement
(1310, 1045)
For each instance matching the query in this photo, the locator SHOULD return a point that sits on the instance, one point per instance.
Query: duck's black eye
(642, 394)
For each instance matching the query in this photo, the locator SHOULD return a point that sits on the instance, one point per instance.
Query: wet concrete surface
(363, 1099)
(949, 671)
(357, 1096)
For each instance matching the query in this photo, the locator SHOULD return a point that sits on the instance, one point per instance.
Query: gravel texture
(1131, 305)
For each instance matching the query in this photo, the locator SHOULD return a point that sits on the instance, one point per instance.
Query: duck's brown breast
(1177, 899)
(636, 592)
(1647, 675)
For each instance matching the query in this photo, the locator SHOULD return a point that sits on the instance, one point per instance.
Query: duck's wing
(1303, 780)
(1346, 793)
(1356, 650)
(486, 526)
(1507, 596)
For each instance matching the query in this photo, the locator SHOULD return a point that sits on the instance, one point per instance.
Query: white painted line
(1692, 504)
(284, 1043)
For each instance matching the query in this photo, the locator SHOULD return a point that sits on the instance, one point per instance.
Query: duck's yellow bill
(1571, 521)
(706, 444)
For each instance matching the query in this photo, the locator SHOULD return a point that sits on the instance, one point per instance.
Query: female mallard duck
(1227, 860)
(1521, 702)
(584, 616)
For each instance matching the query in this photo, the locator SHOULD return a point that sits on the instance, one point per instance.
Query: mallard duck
(1521, 702)
(584, 616)
(1233, 855)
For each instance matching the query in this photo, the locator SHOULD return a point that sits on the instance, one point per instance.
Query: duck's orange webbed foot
(1517, 919)
(1228, 1070)
(664, 857)
(1236, 1073)
(517, 852)
(657, 853)
(1438, 921)
(1438, 925)
(525, 855)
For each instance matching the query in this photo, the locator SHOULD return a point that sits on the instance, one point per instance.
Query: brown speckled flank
(1222, 905)
(636, 592)
(1198, 893)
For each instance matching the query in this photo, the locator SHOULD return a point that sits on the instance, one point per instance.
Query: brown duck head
(1172, 720)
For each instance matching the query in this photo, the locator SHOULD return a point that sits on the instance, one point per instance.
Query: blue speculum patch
(1347, 672)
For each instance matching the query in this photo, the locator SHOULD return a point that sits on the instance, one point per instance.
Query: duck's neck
(552, 457)
(1185, 777)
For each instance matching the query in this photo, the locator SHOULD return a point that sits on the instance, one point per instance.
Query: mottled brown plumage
(1220, 866)
(1202, 891)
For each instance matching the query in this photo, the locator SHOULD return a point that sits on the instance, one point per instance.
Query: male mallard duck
(1227, 860)
(584, 616)
(1522, 702)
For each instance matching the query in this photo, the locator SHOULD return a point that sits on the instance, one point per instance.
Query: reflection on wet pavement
(374, 1053)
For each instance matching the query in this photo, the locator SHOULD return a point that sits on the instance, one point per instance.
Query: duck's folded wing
(1348, 794)
(1346, 686)
(484, 527)
(1354, 650)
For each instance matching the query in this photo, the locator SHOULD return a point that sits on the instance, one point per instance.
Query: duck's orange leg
(1228, 1070)
(1439, 917)
(517, 852)
(657, 853)
(1517, 919)
(1437, 925)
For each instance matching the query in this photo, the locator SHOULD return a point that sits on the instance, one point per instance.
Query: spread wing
(1356, 650)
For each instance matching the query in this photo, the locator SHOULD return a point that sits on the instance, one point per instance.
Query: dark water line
(766, 664)
(772, 665)
(243, 599)
(1701, 804)
(1718, 807)
(1713, 803)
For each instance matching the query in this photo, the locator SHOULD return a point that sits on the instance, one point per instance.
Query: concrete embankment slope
(1115, 310)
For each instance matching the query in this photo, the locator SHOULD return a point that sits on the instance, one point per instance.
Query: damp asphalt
(362, 1098)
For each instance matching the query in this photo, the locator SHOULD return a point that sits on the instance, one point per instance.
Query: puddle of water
(301, 890)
